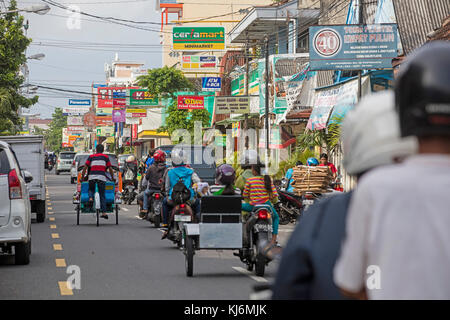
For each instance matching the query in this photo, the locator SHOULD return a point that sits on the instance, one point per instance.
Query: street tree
(165, 83)
(13, 44)
(53, 136)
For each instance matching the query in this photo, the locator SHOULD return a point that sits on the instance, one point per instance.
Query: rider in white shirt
(397, 243)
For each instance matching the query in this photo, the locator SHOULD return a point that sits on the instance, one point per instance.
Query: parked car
(206, 172)
(64, 162)
(30, 153)
(15, 207)
(79, 158)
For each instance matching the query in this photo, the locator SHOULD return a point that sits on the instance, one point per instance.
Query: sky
(67, 66)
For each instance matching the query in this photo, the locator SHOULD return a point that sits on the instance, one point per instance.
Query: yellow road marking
(55, 235)
(57, 247)
(50, 213)
(50, 208)
(51, 219)
(64, 289)
(53, 226)
(60, 263)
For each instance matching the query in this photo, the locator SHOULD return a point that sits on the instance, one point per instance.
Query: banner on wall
(198, 38)
(191, 102)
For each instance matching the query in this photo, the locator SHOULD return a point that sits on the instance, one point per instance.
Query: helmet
(159, 156)
(422, 91)
(371, 134)
(131, 159)
(312, 162)
(178, 156)
(225, 174)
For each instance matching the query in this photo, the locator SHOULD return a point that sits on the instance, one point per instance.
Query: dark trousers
(101, 191)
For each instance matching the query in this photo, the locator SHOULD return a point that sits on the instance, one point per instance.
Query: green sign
(198, 38)
(141, 97)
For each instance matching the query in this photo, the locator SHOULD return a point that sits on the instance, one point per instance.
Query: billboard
(191, 102)
(211, 83)
(75, 111)
(136, 113)
(198, 38)
(75, 121)
(234, 104)
(198, 62)
(118, 116)
(352, 47)
(141, 97)
(79, 102)
(107, 94)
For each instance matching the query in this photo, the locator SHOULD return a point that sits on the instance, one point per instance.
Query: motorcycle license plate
(262, 227)
(182, 218)
(308, 202)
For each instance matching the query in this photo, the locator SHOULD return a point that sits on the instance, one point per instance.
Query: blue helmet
(312, 162)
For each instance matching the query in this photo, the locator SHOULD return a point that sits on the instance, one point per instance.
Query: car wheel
(40, 211)
(57, 172)
(22, 253)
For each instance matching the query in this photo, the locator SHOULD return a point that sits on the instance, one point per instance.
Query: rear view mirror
(27, 176)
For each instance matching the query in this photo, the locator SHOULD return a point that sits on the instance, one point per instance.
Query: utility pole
(361, 23)
(266, 40)
(246, 79)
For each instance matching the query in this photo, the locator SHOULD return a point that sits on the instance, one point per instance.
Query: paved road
(125, 261)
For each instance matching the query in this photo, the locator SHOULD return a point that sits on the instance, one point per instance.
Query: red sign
(191, 102)
(119, 103)
(103, 121)
(134, 133)
(89, 119)
(105, 95)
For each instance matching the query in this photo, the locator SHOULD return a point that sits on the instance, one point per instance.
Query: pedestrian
(324, 163)
(397, 244)
(371, 138)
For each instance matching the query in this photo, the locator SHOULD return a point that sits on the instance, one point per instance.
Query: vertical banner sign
(198, 38)
(352, 47)
(191, 102)
(134, 131)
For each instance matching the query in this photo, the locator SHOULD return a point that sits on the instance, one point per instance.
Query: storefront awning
(229, 121)
(148, 134)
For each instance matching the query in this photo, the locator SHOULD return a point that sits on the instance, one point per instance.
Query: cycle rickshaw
(113, 193)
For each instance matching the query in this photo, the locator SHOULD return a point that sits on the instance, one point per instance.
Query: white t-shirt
(398, 232)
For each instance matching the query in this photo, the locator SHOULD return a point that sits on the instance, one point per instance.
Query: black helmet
(422, 91)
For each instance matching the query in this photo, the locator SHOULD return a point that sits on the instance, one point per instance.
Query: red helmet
(159, 156)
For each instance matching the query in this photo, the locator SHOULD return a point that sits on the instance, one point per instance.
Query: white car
(15, 207)
(79, 158)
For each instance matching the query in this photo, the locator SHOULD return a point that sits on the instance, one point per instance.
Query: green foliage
(13, 44)
(53, 136)
(164, 82)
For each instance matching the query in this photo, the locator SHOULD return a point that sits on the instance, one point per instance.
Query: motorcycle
(155, 208)
(290, 206)
(181, 214)
(258, 228)
(130, 184)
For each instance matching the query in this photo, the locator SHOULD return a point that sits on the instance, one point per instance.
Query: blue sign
(352, 47)
(211, 83)
(79, 102)
(99, 85)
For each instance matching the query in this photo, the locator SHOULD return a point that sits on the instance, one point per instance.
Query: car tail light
(15, 189)
(157, 196)
(73, 163)
(263, 214)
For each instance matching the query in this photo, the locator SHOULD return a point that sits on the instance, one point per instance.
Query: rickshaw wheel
(117, 214)
(98, 216)
(189, 256)
(78, 214)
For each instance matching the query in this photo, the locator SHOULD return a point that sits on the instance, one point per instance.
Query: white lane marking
(250, 274)
(124, 209)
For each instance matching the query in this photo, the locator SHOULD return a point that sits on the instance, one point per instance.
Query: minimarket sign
(198, 38)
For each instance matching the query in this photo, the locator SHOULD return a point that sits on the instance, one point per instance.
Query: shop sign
(198, 38)
(191, 102)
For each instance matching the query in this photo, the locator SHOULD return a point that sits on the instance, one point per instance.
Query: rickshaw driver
(98, 163)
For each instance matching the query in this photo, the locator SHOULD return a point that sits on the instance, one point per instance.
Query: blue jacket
(149, 162)
(184, 173)
(307, 263)
(288, 177)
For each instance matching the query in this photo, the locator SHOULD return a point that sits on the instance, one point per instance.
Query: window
(4, 162)
(66, 156)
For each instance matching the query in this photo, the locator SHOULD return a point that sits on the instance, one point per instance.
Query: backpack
(180, 193)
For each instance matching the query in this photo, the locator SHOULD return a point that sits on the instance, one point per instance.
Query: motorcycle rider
(260, 190)
(130, 170)
(312, 162)
(154, 177)
(179, 171)
(96, 165)
(371, 138)
(249, 157)
(399, 218)
(288, 177)
(225, 177)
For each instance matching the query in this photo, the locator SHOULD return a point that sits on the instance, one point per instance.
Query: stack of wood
(311, 179)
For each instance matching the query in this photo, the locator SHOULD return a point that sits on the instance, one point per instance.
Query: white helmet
(131, 159)
(371, 134)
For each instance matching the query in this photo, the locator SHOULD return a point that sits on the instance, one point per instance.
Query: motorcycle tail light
(157, 196)
(182, 206)
(263, 214)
